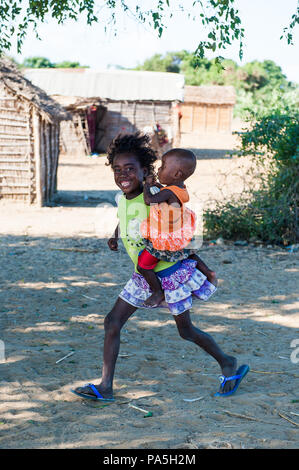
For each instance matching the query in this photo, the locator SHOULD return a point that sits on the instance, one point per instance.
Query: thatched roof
(210, 94)
(13, 79)
(72, 103)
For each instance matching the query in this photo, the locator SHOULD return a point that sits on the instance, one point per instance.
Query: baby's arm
(113, 241)
(162, 196)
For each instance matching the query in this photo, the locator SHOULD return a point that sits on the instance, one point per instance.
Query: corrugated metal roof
(112, 84)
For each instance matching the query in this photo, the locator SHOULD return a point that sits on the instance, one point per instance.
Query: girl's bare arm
(113, 241)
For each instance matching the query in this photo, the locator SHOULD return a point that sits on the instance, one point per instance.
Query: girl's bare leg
(113, 323)
(189, 332)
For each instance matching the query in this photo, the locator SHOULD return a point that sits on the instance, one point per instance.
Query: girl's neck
(135, 193)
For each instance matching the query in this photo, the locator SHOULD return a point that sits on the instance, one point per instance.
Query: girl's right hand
(150, 180)
(113, 244)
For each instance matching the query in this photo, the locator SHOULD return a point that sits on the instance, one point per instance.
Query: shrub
(270, 213)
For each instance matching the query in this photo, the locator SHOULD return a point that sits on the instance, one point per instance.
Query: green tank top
(131, 212)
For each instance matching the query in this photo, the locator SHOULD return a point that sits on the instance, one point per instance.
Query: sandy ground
(58, 280)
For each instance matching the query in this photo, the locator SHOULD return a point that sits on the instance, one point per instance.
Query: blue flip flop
(241, 372)
(97, 395)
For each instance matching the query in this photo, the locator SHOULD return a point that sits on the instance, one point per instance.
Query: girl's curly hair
(138, 144)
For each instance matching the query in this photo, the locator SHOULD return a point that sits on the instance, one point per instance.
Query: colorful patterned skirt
(180, 283)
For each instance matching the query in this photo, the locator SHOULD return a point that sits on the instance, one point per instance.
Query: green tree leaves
(288, 31)
(17, 17)
(219, 19)
(222, 20)
(43, 62)
(260, 86)
(37, 63)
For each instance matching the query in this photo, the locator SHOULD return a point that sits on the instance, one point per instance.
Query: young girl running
(132, 160)
(170, 227)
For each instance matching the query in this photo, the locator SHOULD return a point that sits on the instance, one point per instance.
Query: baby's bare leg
(211, 275)
(155, 286)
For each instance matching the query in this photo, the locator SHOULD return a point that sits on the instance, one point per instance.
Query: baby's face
(167, 173)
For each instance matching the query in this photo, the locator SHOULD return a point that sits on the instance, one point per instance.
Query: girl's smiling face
(129, 174)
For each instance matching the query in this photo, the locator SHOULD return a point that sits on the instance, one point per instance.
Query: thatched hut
(106, 103)
(29, 138)
(206, 110)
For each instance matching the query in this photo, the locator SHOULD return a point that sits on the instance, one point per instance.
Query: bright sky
(263, 21)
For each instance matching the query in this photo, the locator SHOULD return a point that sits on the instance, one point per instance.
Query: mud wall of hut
(116, 117)
(29, 147)
(132, 116)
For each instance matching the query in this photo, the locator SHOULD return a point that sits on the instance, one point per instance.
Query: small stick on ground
(250, 418)
(77, 250)
(64, 357)
(288, 419)
(87, 297)
(261, 333)
(147, 413)
(192, 399)
(265, 372)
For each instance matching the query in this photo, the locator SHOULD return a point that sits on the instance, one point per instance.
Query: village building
(207, 112)
(106, 103)
(29, 138)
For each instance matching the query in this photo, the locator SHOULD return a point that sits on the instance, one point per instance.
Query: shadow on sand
(53, 300)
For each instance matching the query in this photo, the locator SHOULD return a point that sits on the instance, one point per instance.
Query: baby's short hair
(186, 158)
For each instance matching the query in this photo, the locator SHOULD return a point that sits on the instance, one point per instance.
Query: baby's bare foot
(212, 278)
(155, 299)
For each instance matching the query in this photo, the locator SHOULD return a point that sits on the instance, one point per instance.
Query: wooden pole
(58, 153)
(217, 118)
(55, 132)
(191, 121)
(43, 164)
(206, 120)
(30, 155)
(175, 109)
(230, 118)
(48, 158)
(52, 158)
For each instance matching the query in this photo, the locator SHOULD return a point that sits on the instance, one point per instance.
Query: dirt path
(57, 282)
(86, 184)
